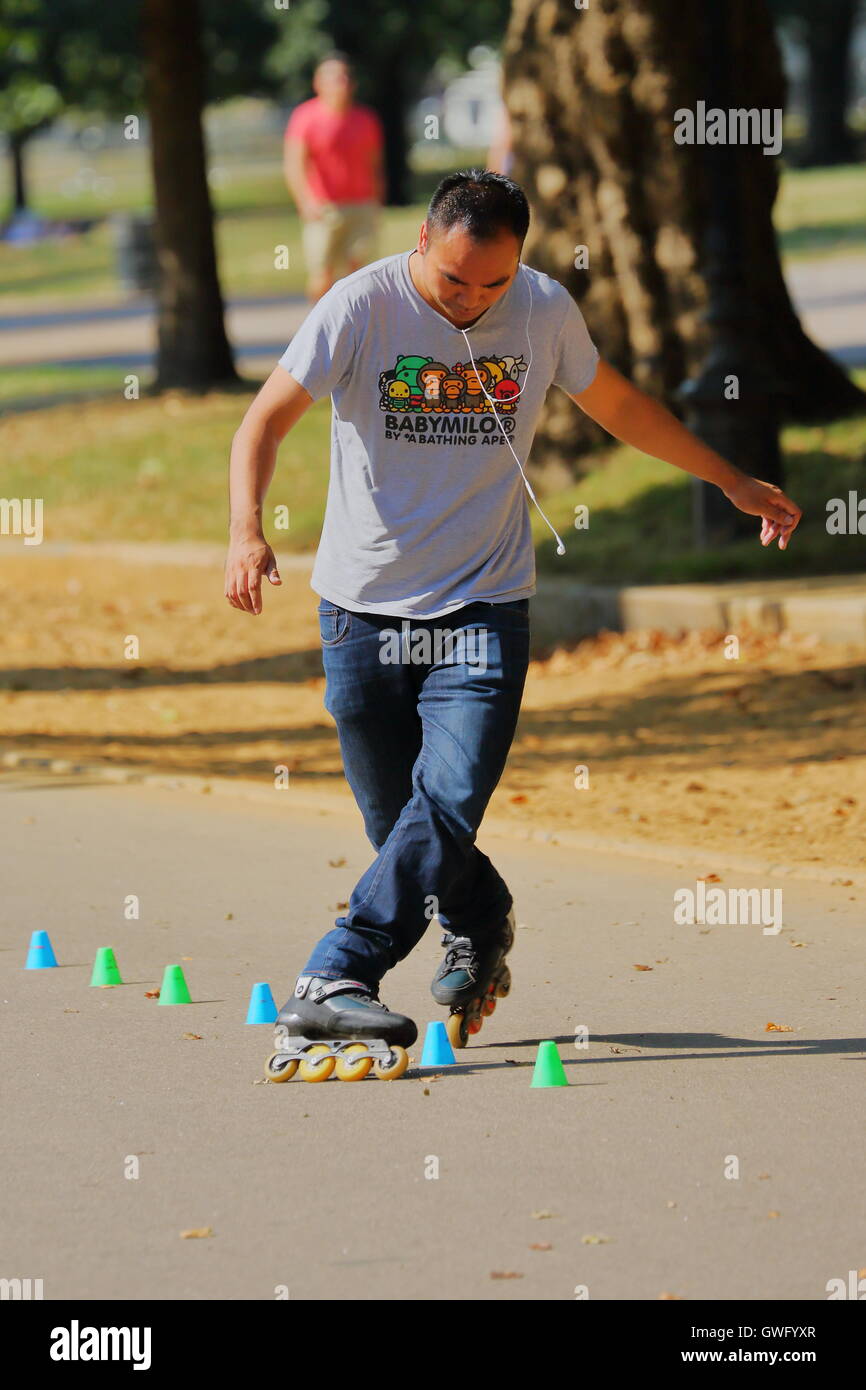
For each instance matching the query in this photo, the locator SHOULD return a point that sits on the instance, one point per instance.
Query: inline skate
(338, 1026)
(471, 978)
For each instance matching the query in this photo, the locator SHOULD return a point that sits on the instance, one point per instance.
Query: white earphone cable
(560, 547)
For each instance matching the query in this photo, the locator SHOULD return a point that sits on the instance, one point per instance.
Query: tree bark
(592, 96)
(19, 183)
(193, 350)
(829, 30)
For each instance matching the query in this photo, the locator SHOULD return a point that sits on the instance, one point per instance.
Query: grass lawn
(155, 469)
(822, 212)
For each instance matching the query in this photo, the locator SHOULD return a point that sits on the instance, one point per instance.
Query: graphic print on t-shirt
(426, 401)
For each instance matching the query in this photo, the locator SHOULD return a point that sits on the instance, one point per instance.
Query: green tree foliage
(59, 55)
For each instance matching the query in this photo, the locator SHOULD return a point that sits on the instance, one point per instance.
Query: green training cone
(174, 988)
(105, 968)
(549, 1070)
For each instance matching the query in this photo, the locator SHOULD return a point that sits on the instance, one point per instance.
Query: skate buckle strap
(339, 987)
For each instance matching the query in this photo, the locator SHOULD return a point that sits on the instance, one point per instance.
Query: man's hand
(630, 415)
(248, 560)
(779, 514)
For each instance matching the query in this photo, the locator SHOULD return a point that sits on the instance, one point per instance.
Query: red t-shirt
(340, 146)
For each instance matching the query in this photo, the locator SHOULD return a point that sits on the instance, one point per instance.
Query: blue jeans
(424, 742)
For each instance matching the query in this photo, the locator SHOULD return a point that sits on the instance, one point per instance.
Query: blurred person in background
(333, 151)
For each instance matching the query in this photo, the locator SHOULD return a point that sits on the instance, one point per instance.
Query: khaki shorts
(344, 232)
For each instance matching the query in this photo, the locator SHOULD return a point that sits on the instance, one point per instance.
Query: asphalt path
(693, 1152)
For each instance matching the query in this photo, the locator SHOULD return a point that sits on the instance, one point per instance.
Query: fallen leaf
(151, 994)
(595, 1240)
(72, 1011)
(695, 787)
(709, 878)
(336, 863)
(229, 917)
(517, 798)
(670, 1296)
(198, 1233)
(505, 1274)
(778, 1028)
(798, 943)
(772, 1214)
(541, 1245)
(641, 967)
(670, 1204)
(196, 1036)
(542, 1215)
(761, 1176)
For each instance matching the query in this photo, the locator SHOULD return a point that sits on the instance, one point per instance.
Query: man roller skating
(437, 361)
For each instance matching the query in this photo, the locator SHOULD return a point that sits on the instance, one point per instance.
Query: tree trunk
(193, 350)
(384, 79)
(391, 106)
(19, 184)
(592, 96)
(829, 29)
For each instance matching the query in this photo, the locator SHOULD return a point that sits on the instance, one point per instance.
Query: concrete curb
(328, 803)
(832, 607)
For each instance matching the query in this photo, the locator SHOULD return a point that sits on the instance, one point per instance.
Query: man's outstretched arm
(635, 418)
(278, 406)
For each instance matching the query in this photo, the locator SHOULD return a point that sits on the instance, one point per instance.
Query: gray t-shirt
(426, 505)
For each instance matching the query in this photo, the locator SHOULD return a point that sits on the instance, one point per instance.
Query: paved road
(323, 1188)
(829, 294)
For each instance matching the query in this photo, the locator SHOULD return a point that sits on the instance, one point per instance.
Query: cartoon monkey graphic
(430, 378)
(477, 380)
(452, 389)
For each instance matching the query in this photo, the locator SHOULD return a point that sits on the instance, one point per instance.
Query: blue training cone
(41, 953)
(437, 1049)
(262, 1007)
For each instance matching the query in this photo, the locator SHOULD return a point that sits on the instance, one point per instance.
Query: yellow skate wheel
(397, 1067)
(317, 1064)
(274, 1071)
(353, 1064)
(504, 985)
(456, 1030)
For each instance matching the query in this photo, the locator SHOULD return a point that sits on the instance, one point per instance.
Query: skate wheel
(456, 1030)
(354, 1063)
(489, 1005)
(279, 1067)
(504, 983)
(397, 1067)
(474, 1025)
(317, 1064)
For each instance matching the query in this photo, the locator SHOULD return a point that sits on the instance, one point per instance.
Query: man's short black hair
(482, 202)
